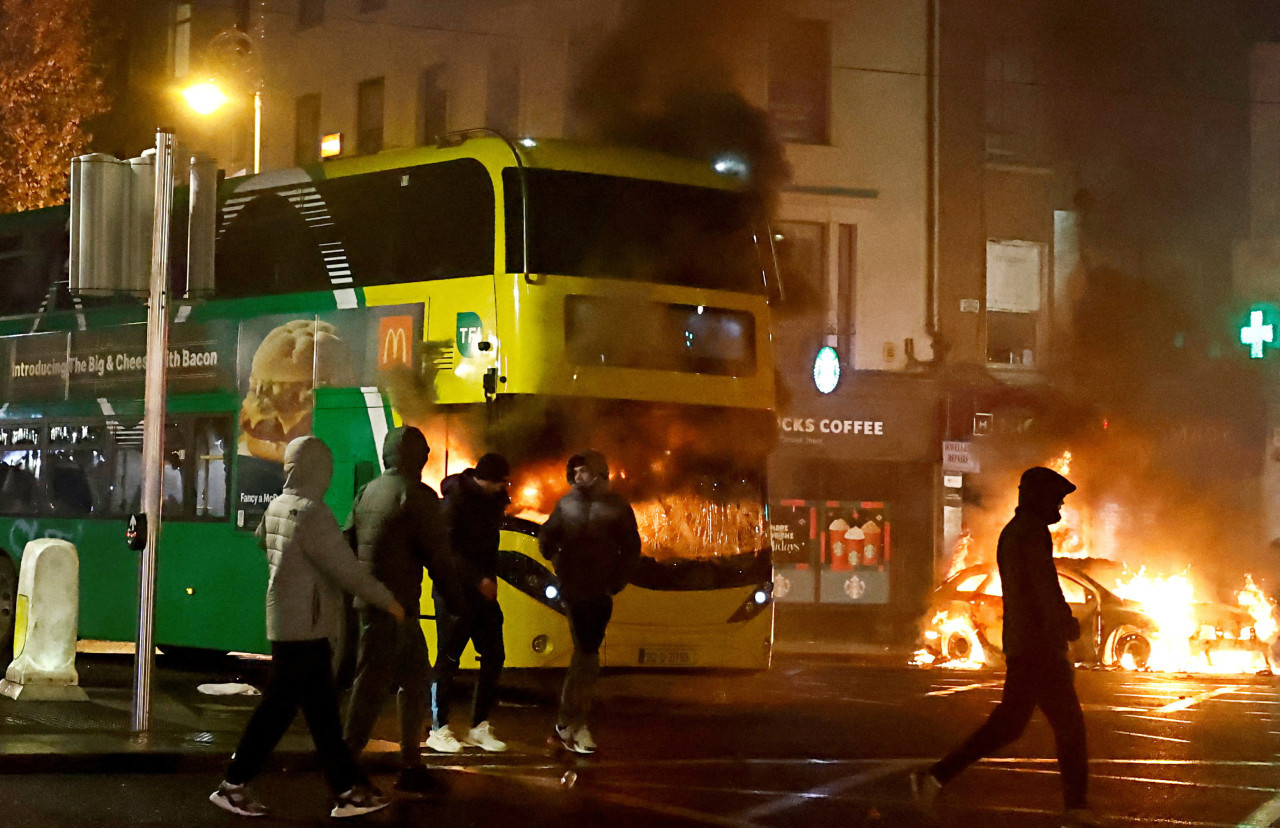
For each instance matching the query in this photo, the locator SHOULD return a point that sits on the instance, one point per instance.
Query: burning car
(1129, 621)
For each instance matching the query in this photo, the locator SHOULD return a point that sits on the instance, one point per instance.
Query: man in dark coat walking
(592, 539)
(475, 501)
(1038, 627)
(400, 529)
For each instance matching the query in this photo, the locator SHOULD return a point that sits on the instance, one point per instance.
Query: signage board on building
(958, 456)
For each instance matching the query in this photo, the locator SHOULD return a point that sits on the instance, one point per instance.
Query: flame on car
(1183, 630)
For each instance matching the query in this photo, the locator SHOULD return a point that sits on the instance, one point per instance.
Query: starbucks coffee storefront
(852, 488)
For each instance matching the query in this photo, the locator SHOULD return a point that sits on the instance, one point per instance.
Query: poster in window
(1013, 276)
(794, 541)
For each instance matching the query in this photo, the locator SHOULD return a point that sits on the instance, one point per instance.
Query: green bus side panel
(210, 581)
(342, 420)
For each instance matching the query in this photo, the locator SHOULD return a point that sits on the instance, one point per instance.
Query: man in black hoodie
(1038, 627)
(592, 539)
(475, 501)
(399, 529)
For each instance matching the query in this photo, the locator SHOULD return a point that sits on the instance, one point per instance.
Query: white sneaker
(481, 736)
(443, 741)
(582, 737)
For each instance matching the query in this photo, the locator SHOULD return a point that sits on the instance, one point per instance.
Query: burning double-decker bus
(532, 298)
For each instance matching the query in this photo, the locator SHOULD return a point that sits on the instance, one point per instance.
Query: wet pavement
(820, 739)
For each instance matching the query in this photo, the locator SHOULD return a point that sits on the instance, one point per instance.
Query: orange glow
(1190, 632)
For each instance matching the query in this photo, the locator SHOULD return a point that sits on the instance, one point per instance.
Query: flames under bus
(533, 299)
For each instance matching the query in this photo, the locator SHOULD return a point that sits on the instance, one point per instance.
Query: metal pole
(257, 130)
(153, 426)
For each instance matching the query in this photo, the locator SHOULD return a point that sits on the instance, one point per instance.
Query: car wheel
(959, 645)
(1129, 648)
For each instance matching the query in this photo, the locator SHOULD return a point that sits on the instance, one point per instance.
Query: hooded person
(592, 540)
(1038, 630)
(310, 567)
(475, 502)
(399, 530)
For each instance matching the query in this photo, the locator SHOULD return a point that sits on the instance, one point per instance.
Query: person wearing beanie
(475, 501)
(1038, 629)
(592, 539)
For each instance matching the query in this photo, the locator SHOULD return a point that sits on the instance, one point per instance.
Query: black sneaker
(360, 800)
(418, 781)
(238, 800)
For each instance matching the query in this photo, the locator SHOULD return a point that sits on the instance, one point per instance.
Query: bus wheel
(8, 601)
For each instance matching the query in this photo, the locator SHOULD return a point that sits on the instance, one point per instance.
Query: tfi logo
(469, 333)
(395, 338)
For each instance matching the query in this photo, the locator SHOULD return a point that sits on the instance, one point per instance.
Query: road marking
(830, 789)
(619, 799)
(1163, 719)
(1183, 704)
(1264, 817)
(949, 690)
(1149, 736)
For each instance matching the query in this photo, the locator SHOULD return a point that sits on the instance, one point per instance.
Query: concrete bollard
(44, 634)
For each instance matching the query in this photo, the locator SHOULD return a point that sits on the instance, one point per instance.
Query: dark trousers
(300, 677)
(392, 657)
(482, 626)
(587, 621)
(1047, 683)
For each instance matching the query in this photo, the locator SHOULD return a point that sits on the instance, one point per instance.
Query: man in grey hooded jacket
(310, 567)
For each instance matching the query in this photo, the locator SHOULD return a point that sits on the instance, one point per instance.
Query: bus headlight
(760, 597)
(552, 592)
(541, 644)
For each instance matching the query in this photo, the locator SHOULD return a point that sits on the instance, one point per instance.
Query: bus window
(20, 467)
(212, 438)
(174, 498)
(126, 467)
(74, 470)
(410, 225)
(268, 248)
(584, 224)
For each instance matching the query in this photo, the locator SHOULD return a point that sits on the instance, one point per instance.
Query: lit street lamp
(206, 97)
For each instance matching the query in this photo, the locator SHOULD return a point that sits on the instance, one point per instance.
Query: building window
(372, 5)
(180, 48)
(1015, 273)
(801, 248)
(800, 80)
(310, 13)
(369, 97)
(433, 104)
(306, 141)
(1014, 112)
(502, 107)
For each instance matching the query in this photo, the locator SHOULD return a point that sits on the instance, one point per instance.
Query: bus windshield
(585, 224)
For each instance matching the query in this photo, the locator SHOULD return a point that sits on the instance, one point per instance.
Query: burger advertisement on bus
(282, 360)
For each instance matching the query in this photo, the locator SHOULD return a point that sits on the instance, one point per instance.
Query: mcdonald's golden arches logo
(395, 341)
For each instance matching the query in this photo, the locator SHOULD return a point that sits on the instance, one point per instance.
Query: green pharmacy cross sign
(1261, 330)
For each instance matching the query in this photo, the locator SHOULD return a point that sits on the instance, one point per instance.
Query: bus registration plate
(667, 657)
